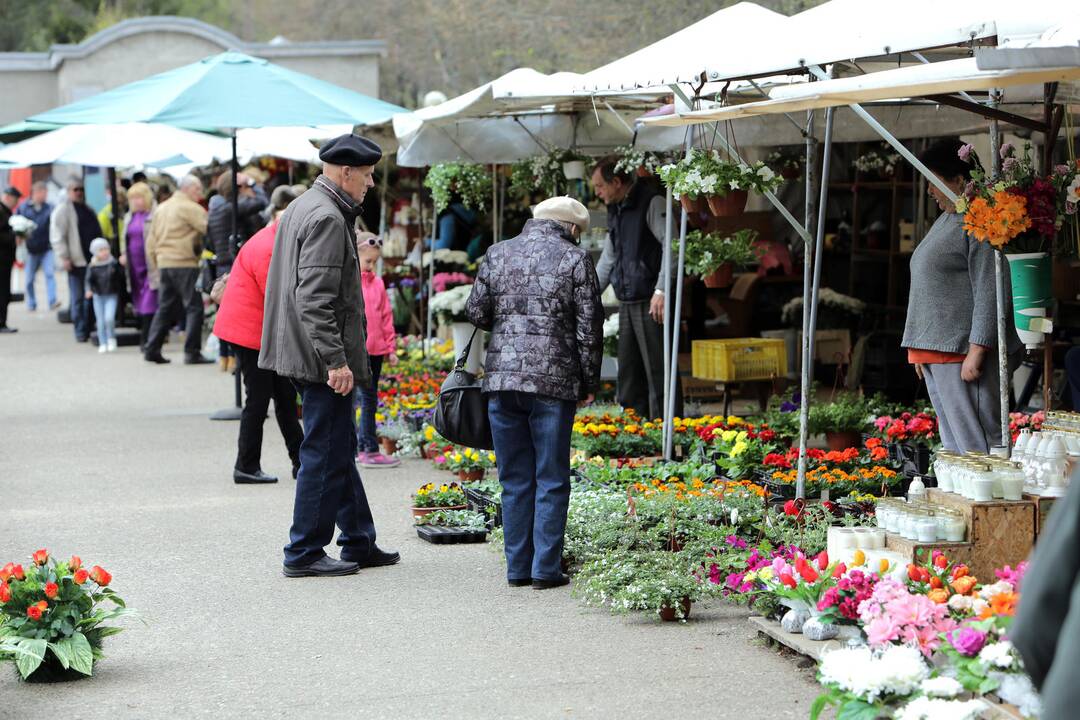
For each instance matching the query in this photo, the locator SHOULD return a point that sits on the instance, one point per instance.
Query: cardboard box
(831, 347)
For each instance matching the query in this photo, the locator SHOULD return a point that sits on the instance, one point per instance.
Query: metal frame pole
(999, 292)
(665, 268)
(819, 243)
(669, 411)
(805, 369)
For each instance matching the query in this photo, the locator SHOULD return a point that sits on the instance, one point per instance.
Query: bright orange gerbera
(997, 221)
(1003, 604)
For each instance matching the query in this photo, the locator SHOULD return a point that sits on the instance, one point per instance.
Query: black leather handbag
(461, 414)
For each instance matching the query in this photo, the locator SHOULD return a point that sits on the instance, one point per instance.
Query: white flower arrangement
(631, 158)
(877, 161)
(897, 670)
(998, 655)
(1017, 688)
(22, 225)
(450, 305)
(941, 687)
(925, 708)
(703, 172)
(792, 309)
(611, 326)
(447, 257)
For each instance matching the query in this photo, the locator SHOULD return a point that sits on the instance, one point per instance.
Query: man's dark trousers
(328, 488)
(641, 363)
(177, 293)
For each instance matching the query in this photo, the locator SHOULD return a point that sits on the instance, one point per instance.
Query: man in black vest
(631, 261)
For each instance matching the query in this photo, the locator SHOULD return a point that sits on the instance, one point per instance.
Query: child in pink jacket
(381, 347)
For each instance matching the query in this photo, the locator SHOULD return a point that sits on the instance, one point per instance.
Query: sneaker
(103, 348)
(55, 305)
(112, 345)
(377, 460)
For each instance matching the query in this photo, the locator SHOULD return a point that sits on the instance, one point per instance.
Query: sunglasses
(79, 189)
(372, 242)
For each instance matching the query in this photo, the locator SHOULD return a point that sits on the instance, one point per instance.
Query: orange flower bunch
(1001, 605)
(682, 490)
(998, 220)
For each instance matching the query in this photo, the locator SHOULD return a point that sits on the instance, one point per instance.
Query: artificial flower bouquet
(444, 281)
(941, 580)
(449, 305)
(53, 614)
(803, 582)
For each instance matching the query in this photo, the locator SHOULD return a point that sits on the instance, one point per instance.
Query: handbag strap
(460, 364)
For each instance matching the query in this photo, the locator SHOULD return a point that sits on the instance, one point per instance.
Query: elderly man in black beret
(314, 332)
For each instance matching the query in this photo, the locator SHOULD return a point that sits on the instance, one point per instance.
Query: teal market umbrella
(229, 91)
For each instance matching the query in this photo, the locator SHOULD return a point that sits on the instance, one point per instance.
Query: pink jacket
(381, 337)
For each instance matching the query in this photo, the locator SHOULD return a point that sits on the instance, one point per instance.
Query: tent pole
(999, 291)
(665, 267)
(673, 374)
(820, 241)
(804, 348)
(431, 271)
(233, 413)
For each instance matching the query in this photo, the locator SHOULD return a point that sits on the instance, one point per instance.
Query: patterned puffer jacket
(539, 296)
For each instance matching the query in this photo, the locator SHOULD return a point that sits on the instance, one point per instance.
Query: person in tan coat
(172, 255)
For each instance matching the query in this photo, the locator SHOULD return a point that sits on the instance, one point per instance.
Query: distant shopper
(313, 332)
(8, 200)
(39, 252)
(539, 297)
(381, 348)
(173, 248)
(951, 330)
(104, 281)
(239, 322)
(72, 227)
(105, 216)
(631, 262)
(144, 299)
(251, 200)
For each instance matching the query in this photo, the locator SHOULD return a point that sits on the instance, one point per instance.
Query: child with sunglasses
(381, 347)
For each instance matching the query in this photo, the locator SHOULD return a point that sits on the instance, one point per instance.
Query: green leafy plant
(647, 581)
(849, 412)
(703, 172)
(53, 615)
(631, 158)
(467, 519)
(707, 252)
(439, 496)
(543, 174)
(471, 183)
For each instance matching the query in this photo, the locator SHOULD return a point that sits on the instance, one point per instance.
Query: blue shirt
(38, 242)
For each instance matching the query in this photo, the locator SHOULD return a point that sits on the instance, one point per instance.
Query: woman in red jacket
(239, 322)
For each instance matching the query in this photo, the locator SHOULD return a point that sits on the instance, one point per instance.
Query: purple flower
(1006, 150)
(968, 641)
(736, 542)
(1061, 170)
(1010, 164)
(965, 152)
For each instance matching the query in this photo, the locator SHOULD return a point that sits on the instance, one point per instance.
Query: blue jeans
(532, 444)
(47, 263)
(368, 401)
(328, 487)
(80, 306)
(105, 313)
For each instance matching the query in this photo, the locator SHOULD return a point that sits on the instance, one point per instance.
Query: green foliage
(648, 581)
(468, 519)
(849, 412)
(472, 183)
(542, 174)
(707, 252)
(432, 495)
(704, 172)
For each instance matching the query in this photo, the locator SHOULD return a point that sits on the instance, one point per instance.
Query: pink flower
(965, 152)
(967, 641)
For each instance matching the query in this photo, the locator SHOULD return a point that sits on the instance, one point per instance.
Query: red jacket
(240, 318)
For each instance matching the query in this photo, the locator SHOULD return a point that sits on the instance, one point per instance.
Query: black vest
(638, 255)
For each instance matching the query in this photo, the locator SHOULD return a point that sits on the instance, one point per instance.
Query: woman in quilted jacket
(539, 296)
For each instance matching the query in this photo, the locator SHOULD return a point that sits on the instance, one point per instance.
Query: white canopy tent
(115, 145)
(1057, 47)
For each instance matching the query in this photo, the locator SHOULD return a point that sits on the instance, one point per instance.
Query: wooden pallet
(1043, 505)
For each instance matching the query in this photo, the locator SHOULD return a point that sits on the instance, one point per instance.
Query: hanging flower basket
(721, 277)
(696, 205)
(731, 203)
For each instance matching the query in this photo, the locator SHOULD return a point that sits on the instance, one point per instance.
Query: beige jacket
(64, 234)
(176, 234)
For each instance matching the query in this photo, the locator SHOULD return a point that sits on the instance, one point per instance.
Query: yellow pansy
(739, 448)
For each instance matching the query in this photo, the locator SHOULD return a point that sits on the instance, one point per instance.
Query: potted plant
(633, 161)
(545, 173)
(471, 183)
(725, 184)
(841, 421)
(452, 526)
(573, 165)
(52, 616)
(470, 464)
(880, 162)
(654, 581)
(787, 162)
(714, 256)
(391, 433)
(431, 497)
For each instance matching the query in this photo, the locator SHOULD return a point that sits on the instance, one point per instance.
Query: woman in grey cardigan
(951, 329)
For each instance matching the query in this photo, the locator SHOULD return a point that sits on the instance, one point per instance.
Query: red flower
(81, 576)
(33, 612)
(808, 573)
(873, 442)
(823, 560)
(5, 592)
(791, 508)
(878, 453)
(777, 460)
(17, 572)
(815, 453)
(51, 590)
(913, 573)
(75, 563)
(839, 571)
(100, 576)
(41, 557)
(767, 436)
(786, 579)
(5, 572)
(941, 562)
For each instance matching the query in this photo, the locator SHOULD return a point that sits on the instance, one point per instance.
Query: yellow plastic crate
(739, 359)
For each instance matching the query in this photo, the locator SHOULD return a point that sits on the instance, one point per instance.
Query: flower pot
(419, 512)
(574, 170)
(389, 447)
(51, 671)
(1031, 293)
(643, 172)
(721, 277)
(668, 613)
(732, 203)
(470, 475)
(842, 440)
(694, 206)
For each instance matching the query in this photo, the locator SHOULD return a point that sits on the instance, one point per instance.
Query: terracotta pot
(470, 475)
(643, 171)
(421, 512)
(694, 206)
(733, 203)
(721, 277)
(668, 614)
(389, 447)
(842, 440)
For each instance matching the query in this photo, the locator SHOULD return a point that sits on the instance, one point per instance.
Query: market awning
(1059, 46)
(115, 146)
(935, 79)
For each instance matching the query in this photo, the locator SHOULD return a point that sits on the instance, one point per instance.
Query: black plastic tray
(440, 535)
(480, 502)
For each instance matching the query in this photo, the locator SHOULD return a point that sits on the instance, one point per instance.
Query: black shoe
(82, 339)
(377, 558)
(197, 360)
(5, 330)
(540, 584)
(324, 567)
(158, 358)
(255, 478)
(519, 582)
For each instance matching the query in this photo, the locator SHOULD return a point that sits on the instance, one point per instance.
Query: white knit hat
(98, 243)
(563, 208)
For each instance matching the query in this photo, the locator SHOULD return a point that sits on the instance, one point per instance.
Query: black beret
(351, 150)
(13, 191)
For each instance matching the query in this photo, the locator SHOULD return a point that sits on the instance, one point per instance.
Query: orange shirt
(933, 357)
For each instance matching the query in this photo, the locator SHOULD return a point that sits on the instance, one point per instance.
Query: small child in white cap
(104, 280)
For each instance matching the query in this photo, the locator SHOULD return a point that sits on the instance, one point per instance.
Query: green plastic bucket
(1031, 292)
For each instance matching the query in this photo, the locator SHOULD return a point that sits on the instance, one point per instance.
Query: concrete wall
(26, 93)
(355, 73)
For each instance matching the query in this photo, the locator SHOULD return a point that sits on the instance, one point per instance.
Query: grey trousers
(969, 414)
(641, 362)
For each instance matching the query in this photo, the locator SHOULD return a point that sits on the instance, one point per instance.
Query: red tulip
(808, 573)
(5, 592)
(51, 590)
(17, 572)
(924, 575)
(935, 582)
(823, 560)
(5, 572)
(75, 563)
(41, 557)
(786, 579)
(839, 570)
(941, 562)
(913, 573)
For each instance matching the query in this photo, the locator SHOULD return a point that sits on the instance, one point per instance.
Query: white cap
(97, 244)
(563, 208)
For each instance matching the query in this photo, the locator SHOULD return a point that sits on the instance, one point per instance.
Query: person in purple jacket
(137, 223)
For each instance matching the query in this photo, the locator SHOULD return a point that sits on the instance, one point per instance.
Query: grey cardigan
(952, 301)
